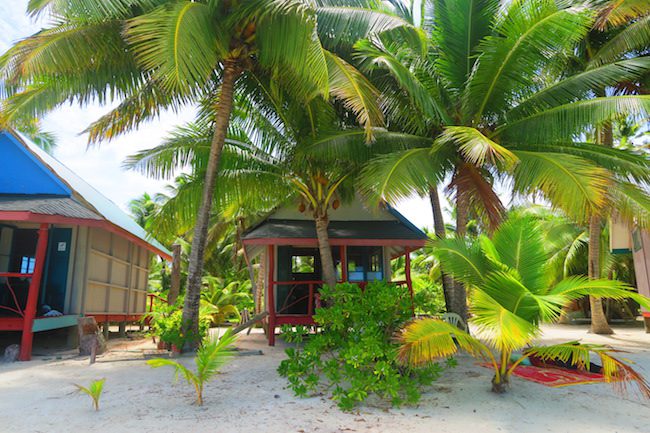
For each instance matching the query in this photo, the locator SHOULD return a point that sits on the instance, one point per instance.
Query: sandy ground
(38, 396)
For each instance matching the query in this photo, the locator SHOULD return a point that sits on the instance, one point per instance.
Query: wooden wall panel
(117, 275)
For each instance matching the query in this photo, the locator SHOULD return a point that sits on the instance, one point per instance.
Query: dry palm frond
(616, 371)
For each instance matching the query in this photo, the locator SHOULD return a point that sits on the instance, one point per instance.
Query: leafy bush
(167, 320)
(354, 353)
(428, 296)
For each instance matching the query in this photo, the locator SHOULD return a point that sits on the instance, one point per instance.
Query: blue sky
(101, 166)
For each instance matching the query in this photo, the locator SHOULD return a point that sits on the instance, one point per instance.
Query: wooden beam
(270, 298)
(32, 296)
(102, 224)
(312, 242)
(255, 319)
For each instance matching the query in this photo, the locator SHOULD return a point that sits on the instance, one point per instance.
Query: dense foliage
(166, 322)
(354, 353)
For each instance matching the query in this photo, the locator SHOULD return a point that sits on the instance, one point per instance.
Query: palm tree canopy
(165, 54)
(486, 98)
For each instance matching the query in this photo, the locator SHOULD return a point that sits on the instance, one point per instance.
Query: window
(27, 265)
(365, 264)
(302, 264)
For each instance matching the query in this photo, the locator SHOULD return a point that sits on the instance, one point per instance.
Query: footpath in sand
(38, 396)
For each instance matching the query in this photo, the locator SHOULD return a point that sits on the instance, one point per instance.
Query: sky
(101, 166)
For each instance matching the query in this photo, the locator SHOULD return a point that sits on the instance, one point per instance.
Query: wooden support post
(407, 273)
(106, 330)
(175, 284)
(344, 263)
(122, 329)
(32, 296)
(270, 298)
(310, 302)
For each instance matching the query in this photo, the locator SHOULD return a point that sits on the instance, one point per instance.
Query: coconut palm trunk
(459, 294)
(327, 261)
(439, 230)
(195, 271)
(599, 323)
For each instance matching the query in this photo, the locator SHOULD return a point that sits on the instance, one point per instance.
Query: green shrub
(354, 353)
(166, 323)
(428, 297)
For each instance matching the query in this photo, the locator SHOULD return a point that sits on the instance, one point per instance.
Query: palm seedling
(210, 357)
(94, 391)
(512, 293)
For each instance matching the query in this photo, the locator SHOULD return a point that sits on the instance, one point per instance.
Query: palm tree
(481, 95)
(162, 54)
(276, 153)
(619, 32)
(512, 294)
(144, 207)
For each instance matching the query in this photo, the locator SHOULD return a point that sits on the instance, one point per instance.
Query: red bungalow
(363, 244)
(65, 249)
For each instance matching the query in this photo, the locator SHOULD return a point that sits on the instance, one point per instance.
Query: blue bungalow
(65, 250)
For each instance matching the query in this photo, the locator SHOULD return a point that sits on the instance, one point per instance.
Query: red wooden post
(270, 301)
(344, 263)
(32, 296)
(407, 273)
(310, 302)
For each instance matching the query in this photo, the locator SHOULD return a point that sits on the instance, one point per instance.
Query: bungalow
(65, 250)
(363, 244)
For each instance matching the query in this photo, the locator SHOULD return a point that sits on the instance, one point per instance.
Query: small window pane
(302, 264)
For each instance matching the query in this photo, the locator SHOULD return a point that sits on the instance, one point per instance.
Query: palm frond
(180, 43)
(520, 246)
(635, 37)
(397, 175)
(531, 32)
(576, 287)
(579, 85)
(502, 328)
(466, 263)
(616, 371)
(567, 120)
(476, 148)
(357, 93)
(426, 340)
(575, 185)
(459, 26)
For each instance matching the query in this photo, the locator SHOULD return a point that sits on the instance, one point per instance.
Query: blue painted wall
(22, 173)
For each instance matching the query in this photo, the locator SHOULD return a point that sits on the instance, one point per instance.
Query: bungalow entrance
(363, 243)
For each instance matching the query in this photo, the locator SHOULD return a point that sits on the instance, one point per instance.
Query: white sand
(249, 396)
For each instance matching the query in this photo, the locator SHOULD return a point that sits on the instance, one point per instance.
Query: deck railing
(17, 308)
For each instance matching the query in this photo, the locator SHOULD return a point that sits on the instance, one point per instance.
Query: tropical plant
(164, 54)
(354, 353)
(210, 357)
(482, 99)
(223, 302)
(166, 322)
(512, 293)
(94, 391)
